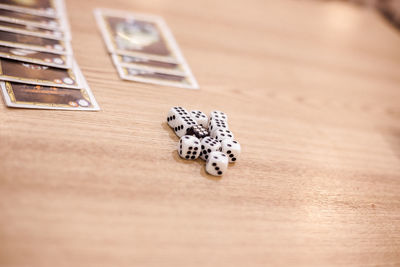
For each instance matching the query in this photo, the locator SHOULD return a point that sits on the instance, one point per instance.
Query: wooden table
(313, 94)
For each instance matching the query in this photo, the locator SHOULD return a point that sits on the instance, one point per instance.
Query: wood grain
(312, 91)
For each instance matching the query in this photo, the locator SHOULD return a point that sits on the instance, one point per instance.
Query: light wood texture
(312, 90)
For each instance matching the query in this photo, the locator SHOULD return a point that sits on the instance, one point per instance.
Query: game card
(20, 95)
(155, 77)
(34, 43)
(37, 57)
(25, 72)
(129, 61)
(137, 34)
(29, 19)
(143, 49)
(31, 30)
(49, 8)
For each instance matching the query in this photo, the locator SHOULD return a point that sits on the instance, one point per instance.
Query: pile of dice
(207, 138)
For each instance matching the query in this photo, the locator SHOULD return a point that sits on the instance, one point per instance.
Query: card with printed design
(37, 57)
(24, 41)
(155, 77)
(29, 19)
(143, 49)
(137, 35)
(48, 8)
(24, 72)
(141, 62)
(31, 30)
(20, 95)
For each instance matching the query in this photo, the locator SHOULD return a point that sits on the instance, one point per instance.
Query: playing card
(37, 57)
(31, 30)
(25, 72)
(155, 77)
(137, 35)
(168, 67)
(29, 19)
(24, 41)
(143, 49)
(20, 95)
(49, 8)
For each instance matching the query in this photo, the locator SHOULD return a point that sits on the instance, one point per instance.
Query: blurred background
(390, 9)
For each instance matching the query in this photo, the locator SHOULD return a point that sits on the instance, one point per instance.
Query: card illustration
(143, 48)
(47, 97)
(137, 34)
(17, 71)
(30, 19)
(37, 7)
(129, 61)
(31, 30)
(33, 42)
(37, 57)
(155, 77)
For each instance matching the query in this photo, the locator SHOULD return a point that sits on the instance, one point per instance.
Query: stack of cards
(143, 49)
(37, 67)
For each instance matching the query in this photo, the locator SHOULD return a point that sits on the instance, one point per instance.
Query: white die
(182, 124)
(174, 113)
(200, 118)
(209, 145)
(231, 148)
(214, 124)
(216, 114)
(189, 147)
(217, 163)
(221, 134)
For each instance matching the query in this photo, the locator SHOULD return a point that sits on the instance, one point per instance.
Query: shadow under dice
(217, 163)
(231, 148)
(209, 145)
(174, 113)
(198, 131)
(189, 147)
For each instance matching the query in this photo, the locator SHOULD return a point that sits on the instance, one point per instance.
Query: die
(216, 114)
(209, 145)
(214, 124)
(198, 131)
(182, 124)
(189, 147)
(221, 134)
(231, 148)
(217, 163)
(200, 118)
(174, 113)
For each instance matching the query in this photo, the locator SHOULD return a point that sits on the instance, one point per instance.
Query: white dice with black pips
(183, 124)
(221, 134)
(189, 147)
(209, 145)
(231, 148)
(208, 138)
(216, 114)
(200, 118)
(174, 113)
(214, 124)
(217, 163)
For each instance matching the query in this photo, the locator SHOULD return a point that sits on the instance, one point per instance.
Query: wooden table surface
(313, 94)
